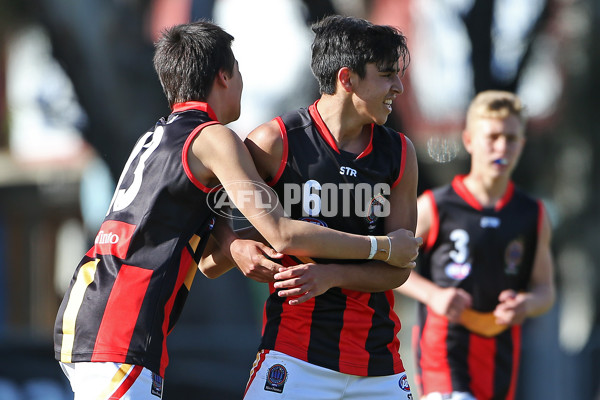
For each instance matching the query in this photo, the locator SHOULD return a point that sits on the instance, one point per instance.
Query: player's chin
(382, 119)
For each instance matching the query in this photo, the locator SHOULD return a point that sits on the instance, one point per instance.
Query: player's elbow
(401, 277)
(282, 243)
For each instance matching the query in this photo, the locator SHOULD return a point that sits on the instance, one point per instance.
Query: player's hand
(512, 309)
(405, 248)
(305, 281)
(254, 259)
(450, 302)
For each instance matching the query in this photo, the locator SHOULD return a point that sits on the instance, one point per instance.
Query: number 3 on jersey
(460, 237)
(124, 196)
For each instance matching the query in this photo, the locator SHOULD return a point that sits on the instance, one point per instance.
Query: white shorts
(275, 375)
(108, 381)
(449, 396)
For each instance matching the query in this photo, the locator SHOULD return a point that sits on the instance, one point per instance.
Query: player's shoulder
(266, 135)
(216, 139)
(441, 194)
(299, 118)
(387, 136)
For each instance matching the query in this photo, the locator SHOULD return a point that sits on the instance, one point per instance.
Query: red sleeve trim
(284, 153)
(434, 229)
(185, 162)
(402, 159)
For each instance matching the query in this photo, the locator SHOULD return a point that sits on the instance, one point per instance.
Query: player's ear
(467, 140)
(222, 78)
(344, 77)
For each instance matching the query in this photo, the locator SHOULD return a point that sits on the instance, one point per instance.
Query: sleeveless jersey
(129, 289)
(483, 251)
(347, 331)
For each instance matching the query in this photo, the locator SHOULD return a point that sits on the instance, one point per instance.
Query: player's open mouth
(388, 103)
(501, 161)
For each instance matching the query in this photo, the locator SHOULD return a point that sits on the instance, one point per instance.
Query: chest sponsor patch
(276, 377)
(458, 271)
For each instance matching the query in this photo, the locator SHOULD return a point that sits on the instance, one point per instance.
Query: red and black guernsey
(483, 251)
(130, 287)
(348, 331)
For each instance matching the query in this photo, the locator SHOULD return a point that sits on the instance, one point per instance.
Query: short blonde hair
(495, 104)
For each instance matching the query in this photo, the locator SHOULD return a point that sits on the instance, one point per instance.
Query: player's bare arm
(217, 143)
(449, 302)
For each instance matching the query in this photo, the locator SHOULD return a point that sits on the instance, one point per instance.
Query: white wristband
(373, 247)
(390, 250)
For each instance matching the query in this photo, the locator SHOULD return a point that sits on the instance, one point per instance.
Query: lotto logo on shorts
(276, 377)
(403, 383)
(157, 385)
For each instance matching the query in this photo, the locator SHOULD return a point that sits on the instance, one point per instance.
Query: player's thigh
(449, 396)
(278, 376)
(389, 387)
(106, 380)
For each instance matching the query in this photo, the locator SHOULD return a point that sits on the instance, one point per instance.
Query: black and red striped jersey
(483, 250)
(348, 331)
(130, 287)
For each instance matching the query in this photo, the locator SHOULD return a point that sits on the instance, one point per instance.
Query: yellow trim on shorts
(122, 372)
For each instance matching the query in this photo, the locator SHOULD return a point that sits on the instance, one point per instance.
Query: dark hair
(188, 57)
(354, 42)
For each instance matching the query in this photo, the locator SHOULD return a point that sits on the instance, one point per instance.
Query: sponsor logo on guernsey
(513, 256)
(276, 377)
(458, 271)
(347, 171)
(157, 385)
(113, 239)
(403, 383)
(489, 222)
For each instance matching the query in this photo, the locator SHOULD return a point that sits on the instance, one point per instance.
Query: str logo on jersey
(347, 171)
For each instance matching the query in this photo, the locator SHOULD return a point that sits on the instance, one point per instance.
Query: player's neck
(343, 124)
(488, 191)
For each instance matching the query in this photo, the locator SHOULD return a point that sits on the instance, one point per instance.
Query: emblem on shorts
(513, 256)
(157, 385)
(276, 377)
(403, 383)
